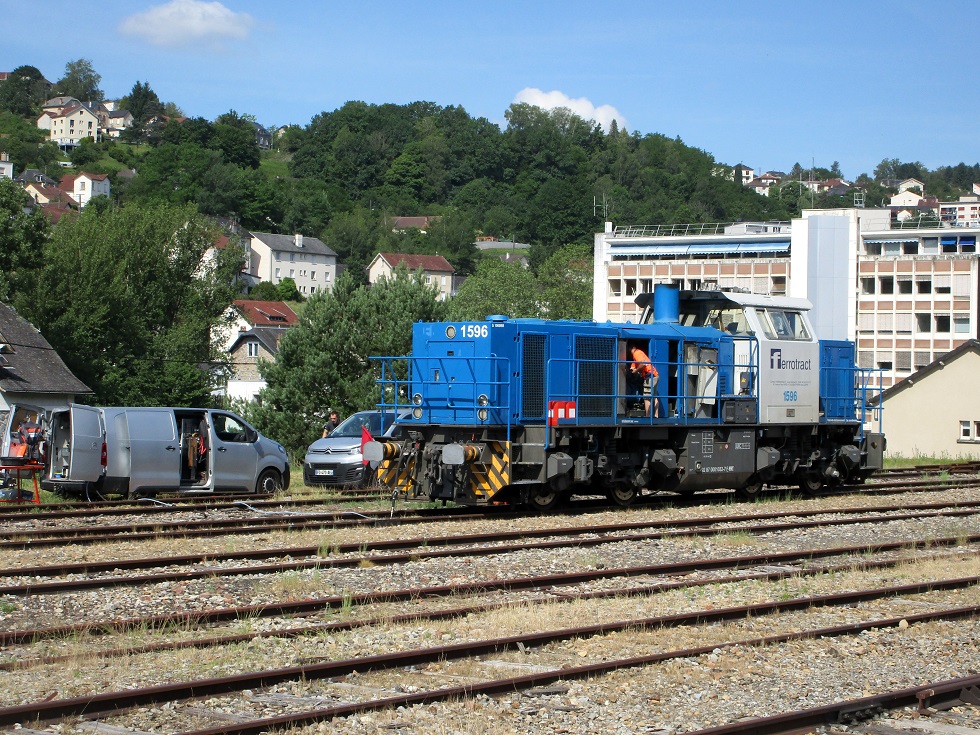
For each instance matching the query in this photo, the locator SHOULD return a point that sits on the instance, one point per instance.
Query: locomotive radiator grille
(486, 480)
(597, 375)
(532, 373)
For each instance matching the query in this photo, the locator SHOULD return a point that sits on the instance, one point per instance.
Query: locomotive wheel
(810, 483)
(542, 498)
(751, 489)
(622, 494)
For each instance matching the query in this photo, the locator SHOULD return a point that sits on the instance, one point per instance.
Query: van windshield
(351, 426)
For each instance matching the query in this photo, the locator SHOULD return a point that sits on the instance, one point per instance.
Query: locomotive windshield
(783, 324)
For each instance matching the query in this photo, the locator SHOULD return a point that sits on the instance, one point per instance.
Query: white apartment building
(307, 260)
(905, 296)
(68, 127)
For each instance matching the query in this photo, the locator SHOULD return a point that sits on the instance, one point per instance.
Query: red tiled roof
(418, 222)
(429, 263)
(267, 313)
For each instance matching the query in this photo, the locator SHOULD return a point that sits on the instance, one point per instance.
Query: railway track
(112, 702)
(524, 621)
(459, 545)
(249, 519)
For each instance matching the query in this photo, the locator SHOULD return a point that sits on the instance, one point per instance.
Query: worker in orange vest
(645, 375)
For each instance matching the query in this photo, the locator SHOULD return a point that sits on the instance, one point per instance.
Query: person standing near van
(332, 423)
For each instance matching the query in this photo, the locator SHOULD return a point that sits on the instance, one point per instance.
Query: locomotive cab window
(727, 320)
(784, 324)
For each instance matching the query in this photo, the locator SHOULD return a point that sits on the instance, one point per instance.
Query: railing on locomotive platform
(460, 382)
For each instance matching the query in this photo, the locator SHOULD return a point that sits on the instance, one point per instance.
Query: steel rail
(334, 602)
(593, 539)
(46, 711)
(847, 712)
(459, 612)
(383, 519)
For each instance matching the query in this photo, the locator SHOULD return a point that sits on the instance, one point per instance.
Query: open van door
(87, 441)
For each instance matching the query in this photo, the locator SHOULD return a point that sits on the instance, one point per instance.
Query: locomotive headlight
(482, 414)
(483, 400)
(417, 413)
(417, 399)
(450, 331)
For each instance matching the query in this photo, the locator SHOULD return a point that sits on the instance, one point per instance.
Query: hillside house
(307, 260)
(251, 332)
(437, 270)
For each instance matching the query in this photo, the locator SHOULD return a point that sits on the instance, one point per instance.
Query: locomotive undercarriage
(537, 466)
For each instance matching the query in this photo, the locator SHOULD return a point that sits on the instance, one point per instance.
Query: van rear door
(87, 439)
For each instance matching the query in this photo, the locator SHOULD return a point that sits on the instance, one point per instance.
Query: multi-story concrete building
(906, 296)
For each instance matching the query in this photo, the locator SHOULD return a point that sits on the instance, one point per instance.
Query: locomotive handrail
(458, 396)
(677, 407)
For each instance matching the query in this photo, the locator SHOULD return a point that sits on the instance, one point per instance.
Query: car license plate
(328, 473)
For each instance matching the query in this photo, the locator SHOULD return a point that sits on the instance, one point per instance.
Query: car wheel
(269, 482)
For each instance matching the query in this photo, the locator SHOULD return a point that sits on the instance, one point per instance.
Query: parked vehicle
(337, 459)
(140, 451)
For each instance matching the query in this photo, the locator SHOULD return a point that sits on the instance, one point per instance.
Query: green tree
(24, 92)
(22, 236)
(234, 136)
(323, 361)
(26, 143)
(86, 152)
(287, 291)
(496, 288)
(264, 291)
(566, 280)
(80, 81)
(129, 300)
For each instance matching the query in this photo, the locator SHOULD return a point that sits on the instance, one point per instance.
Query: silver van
(139, 451)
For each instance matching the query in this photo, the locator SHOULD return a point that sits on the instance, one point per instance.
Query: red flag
(365, 438)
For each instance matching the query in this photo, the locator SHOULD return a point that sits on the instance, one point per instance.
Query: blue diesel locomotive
(526, 411)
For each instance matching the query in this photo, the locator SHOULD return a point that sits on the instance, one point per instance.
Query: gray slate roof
(287, 243)
(30, 365)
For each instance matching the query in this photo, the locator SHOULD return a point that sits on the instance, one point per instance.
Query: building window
(961, 324)
(910, 248)
(312, 275)
(292, 272)
(277, 273)
(903, 361)
(886, 284)
(923, 323)
(253, 349)
(966, 431)
(884, 364)
(923, 285)
(872, 248)
(942, 322)
(868, 285)
(615, 287)
(904, 285)
(922, 359)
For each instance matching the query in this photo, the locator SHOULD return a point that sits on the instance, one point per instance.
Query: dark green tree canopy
(324, 362)
(128, 299)
(80, 81)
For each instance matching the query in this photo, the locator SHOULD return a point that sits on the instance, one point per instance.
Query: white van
(139, 451)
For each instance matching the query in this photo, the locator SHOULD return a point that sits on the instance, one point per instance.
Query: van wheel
(269, 482)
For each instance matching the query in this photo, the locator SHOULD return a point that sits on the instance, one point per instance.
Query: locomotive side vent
(532, 377)
(596, 380)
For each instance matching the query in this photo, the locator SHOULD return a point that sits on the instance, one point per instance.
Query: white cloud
(186, 22)
(603, 114)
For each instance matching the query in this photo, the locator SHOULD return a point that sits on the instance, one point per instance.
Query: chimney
(298, 238)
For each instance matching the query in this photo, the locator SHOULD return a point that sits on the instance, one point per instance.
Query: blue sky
(767, 83)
